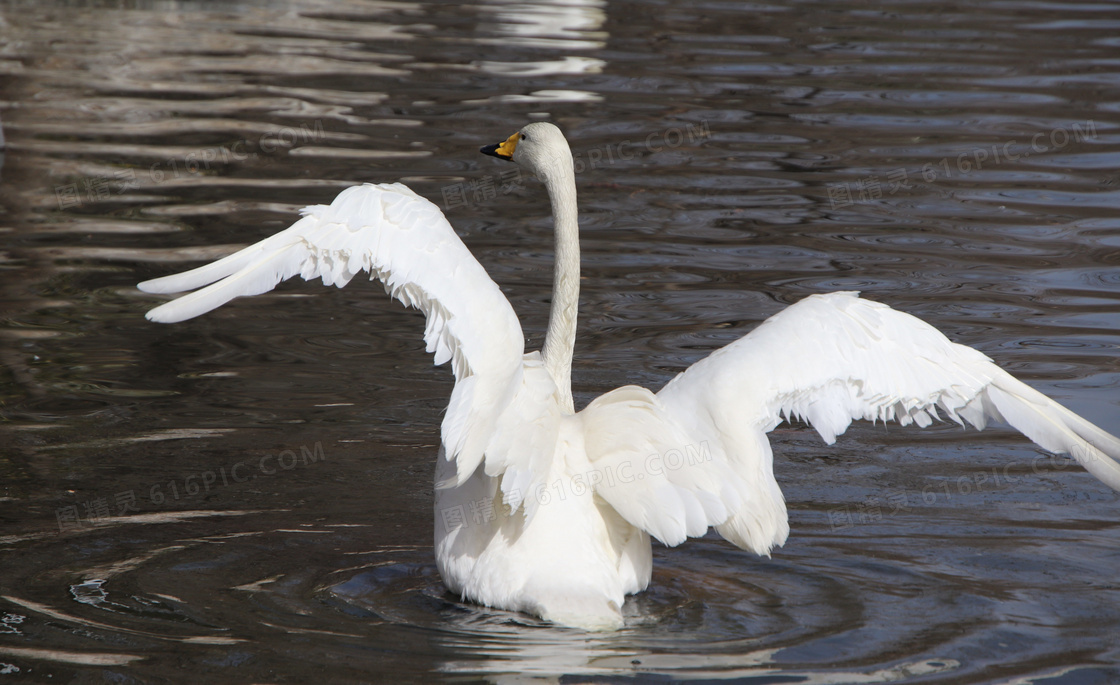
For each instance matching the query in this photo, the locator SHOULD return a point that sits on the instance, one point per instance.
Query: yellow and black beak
(502, 150)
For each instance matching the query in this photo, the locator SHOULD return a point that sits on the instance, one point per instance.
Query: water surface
(246, 497)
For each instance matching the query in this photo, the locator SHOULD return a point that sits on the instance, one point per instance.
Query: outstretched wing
(833, 358)
(405, 241)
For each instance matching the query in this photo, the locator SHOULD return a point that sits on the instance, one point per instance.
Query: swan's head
(539, 147)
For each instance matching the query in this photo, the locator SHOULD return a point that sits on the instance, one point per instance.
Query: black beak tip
(492, 150)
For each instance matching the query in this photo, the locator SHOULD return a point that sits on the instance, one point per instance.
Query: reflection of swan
(545, 510)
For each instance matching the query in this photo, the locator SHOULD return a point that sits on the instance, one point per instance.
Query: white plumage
(546, 510)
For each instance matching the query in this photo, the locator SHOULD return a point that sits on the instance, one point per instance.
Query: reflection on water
(565, 25)
(249, 494)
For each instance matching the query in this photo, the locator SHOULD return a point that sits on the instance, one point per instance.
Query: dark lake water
(246, 497)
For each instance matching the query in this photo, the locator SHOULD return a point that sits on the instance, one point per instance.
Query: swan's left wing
(403, 240)
(833, 358)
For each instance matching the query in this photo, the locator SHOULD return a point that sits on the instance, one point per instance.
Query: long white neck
(560, 341)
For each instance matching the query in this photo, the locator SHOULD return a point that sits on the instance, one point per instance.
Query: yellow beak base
(502, 150)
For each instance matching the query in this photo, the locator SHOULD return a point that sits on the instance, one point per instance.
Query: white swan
(546, 510)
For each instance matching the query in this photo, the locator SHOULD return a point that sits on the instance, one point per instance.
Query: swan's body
(545, 510)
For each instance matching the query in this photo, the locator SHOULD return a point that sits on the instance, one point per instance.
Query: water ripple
(952, 164)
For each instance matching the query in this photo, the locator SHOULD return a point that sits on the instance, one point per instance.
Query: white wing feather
(828, 359)
(641, 461)
(405, 241)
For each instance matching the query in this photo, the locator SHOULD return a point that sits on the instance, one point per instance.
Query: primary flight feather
(549, 511)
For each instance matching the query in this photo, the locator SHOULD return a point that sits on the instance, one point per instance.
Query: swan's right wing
(405, 241)
(833, 358)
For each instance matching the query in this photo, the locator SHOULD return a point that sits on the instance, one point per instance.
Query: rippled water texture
(246, 497)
